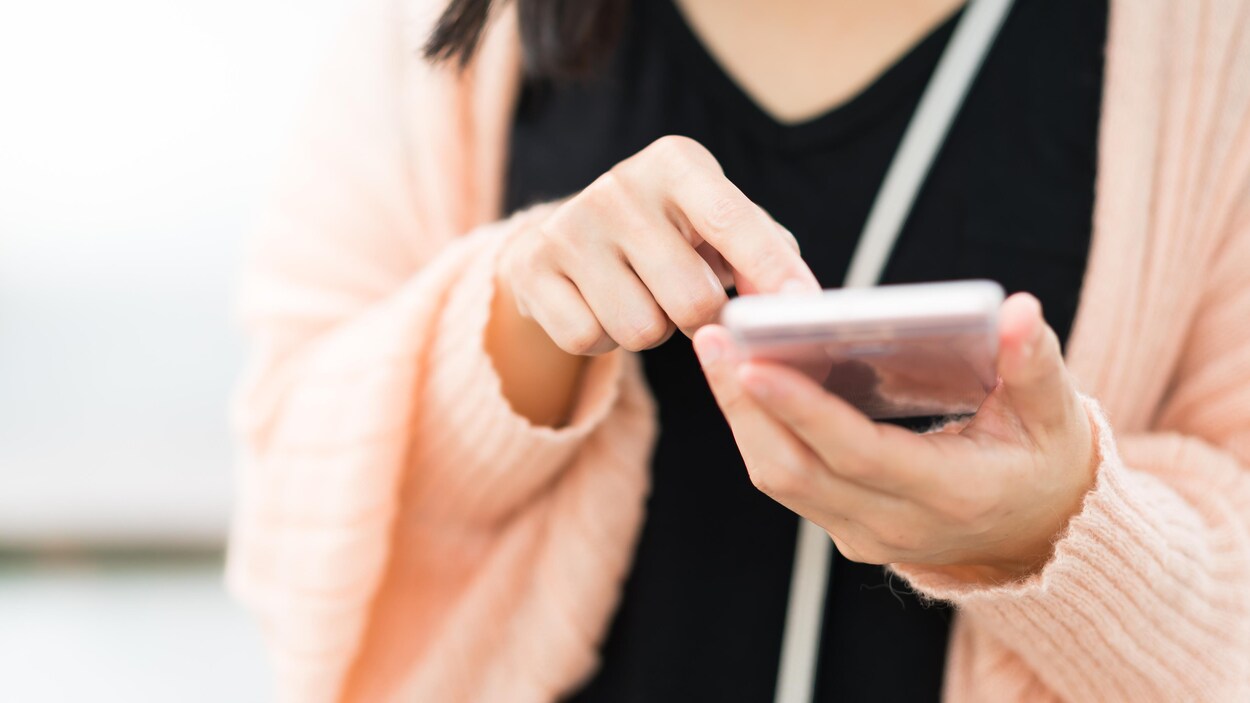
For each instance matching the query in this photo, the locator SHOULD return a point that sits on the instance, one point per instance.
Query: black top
(1010, 198)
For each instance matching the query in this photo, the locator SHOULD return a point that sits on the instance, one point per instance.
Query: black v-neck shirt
(1009, 198)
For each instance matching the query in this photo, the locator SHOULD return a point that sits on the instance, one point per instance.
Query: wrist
(538, 378)
(1020, 559)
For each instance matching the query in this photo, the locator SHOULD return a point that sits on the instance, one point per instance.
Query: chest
(1010, 197)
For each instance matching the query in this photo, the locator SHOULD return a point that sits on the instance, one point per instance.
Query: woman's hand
(646, 249)
(984, 503)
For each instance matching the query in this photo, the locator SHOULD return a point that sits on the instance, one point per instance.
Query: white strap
(960, 62)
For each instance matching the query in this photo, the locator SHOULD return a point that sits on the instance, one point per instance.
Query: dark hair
(559, 38)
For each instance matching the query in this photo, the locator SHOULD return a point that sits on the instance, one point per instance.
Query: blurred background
(137, 140)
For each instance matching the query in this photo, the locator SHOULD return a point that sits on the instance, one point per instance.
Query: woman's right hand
(647, 248)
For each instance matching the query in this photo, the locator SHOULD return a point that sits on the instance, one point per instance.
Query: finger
(622, 304)
(1031, 364)
(763, 256)
(724, 273)
(885, 457)
(772, 452)
(746, 287)
(557, 306)
(762, 441)
(683, 176)
(680, 280)
(779, 463)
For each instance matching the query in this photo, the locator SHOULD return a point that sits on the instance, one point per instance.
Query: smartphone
(897, 351)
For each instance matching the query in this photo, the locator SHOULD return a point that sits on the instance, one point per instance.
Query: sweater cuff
(1117, 581)
(499, 453)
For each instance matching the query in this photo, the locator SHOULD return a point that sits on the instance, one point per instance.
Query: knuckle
(669, 329)
(528, 261)
(631, 171)
(727, 213)
(656, 332)
(582, 340)
(674, 148)
(645, 335)
(551, 239)
(519, 275)
(615, 214)
(778, 478)
(773, 259)
(764, 478)
(634, 237)
(702, 308)
(604, 194)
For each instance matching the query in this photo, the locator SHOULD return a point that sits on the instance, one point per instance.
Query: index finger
(745, 236)
(686, 179)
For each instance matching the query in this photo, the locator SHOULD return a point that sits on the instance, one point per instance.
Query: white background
(137, 139)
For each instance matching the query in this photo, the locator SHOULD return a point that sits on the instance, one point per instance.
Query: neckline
(892, 85)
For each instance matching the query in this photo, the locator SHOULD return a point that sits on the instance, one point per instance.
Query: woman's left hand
(983, 504)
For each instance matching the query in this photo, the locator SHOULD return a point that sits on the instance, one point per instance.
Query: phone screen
(921, 376)
(917, 350)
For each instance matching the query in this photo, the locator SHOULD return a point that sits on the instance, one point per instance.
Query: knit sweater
(403, 534)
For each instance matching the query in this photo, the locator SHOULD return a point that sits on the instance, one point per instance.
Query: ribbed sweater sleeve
(396, 414)
(371, 402)
(467, 423)
(1146, 595)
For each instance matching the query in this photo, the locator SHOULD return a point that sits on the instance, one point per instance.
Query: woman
(472, 301)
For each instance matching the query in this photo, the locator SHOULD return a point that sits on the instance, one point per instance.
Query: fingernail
(710, 350)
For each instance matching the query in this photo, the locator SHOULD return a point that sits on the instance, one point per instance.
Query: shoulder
(1200, 42)
(1181, 70)
(1197, 39)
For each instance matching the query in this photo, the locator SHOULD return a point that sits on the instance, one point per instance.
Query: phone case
(895, 351)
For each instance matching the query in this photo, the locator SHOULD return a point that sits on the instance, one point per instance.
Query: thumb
(1031, 363)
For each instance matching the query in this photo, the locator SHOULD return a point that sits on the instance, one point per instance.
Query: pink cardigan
(402, 534)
